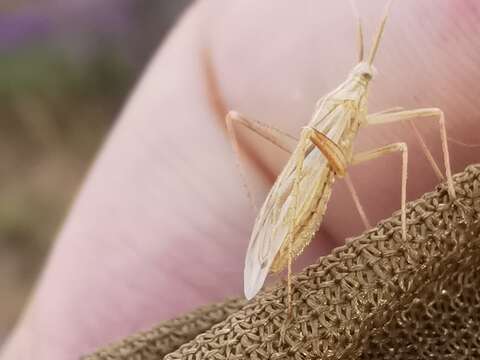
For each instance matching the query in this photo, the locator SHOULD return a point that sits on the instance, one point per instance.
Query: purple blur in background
(65, 70)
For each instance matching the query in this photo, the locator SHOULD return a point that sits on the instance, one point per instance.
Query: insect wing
(274, 219)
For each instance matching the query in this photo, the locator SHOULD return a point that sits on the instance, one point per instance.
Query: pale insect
(294, 208)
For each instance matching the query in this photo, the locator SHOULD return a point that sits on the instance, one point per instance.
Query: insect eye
(367, 76)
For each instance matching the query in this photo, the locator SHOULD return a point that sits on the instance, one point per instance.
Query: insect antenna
(361, 45)
(378, 37)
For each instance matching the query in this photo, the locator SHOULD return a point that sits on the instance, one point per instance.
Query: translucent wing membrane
(267, 248)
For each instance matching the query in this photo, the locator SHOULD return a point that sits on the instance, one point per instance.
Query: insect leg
(426, 112)
(274, 135)
(356, 201)
(427, 151)
(461, 143)
(303, 143)
(384, 150)
(418, 136)
(386, 111)
(338, 162)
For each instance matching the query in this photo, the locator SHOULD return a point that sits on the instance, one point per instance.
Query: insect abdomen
(308, 223)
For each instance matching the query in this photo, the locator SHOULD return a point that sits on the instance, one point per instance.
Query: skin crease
(161, 223)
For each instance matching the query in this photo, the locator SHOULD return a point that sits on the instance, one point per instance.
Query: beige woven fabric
(375, 298)
(169, 335)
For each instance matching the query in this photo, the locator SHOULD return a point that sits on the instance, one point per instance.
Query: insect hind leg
(356, 201)
(422, 113)
(384, 150)
(461, 143)
(418, 136)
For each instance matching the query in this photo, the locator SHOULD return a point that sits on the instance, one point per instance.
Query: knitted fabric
(377, 297)
(169, 335)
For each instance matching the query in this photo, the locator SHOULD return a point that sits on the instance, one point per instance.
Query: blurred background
(66, 68)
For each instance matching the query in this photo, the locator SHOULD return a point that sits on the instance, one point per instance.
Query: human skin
(162, 222)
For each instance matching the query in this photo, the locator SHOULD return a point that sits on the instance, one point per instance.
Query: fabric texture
(377, 297)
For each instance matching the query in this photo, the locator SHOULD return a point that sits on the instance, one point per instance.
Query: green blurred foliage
(54, 114)
(59, 95)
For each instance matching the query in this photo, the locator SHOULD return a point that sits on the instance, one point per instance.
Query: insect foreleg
(274, 135)
(384, 150)
(427, 112)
